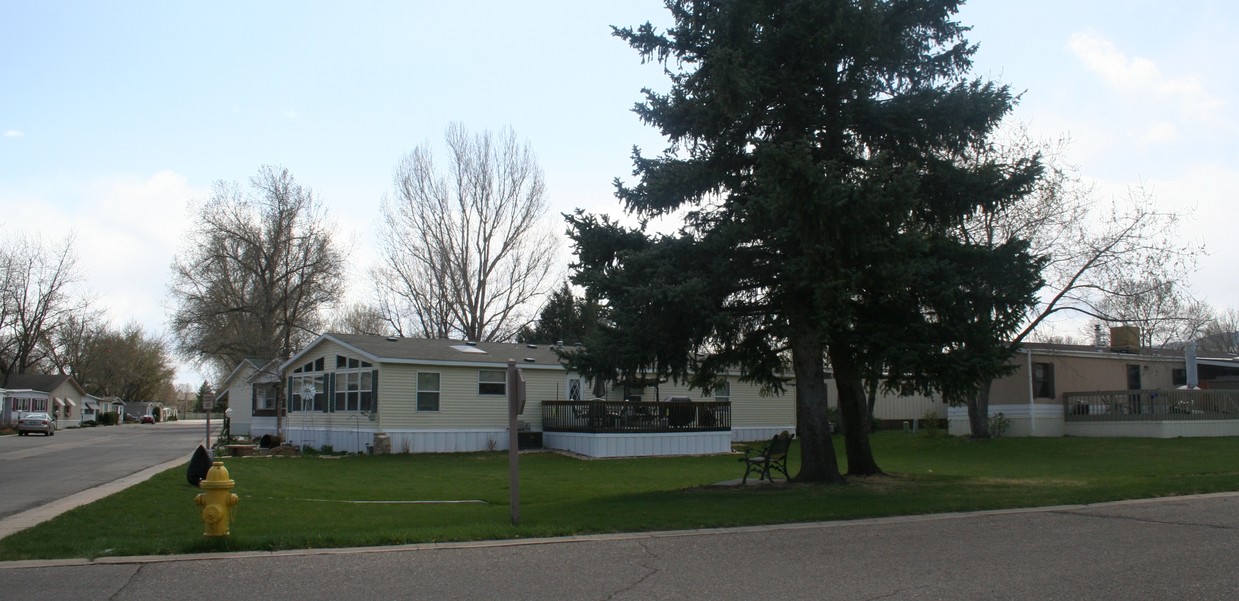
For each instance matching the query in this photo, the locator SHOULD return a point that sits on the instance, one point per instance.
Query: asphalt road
(1181, 549)
(37, 470)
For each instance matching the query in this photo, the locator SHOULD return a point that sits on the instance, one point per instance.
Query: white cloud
(1141, 77)
(1158, 133)
(125, 230)
(13, 133)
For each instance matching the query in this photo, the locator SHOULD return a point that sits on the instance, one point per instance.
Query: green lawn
(293, 503)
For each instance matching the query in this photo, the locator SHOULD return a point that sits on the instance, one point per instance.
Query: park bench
(771, 457)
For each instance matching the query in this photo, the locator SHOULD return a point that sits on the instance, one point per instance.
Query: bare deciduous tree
(36, 299)
(1095, 251)
(1221, 334)
(359, 318)
(465, 249)
(257, 273)
(1164, 311)
(1097, 254)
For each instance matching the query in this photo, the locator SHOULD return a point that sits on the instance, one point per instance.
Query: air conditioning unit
(1125, 339)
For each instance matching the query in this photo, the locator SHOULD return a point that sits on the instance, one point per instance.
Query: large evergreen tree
(564, 318)
(816, 156)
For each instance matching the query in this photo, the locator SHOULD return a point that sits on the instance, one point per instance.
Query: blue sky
(115, 116)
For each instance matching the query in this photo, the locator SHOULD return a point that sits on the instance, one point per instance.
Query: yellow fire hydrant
(216, 502)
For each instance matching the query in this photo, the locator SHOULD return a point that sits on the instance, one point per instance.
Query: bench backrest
(779, 445)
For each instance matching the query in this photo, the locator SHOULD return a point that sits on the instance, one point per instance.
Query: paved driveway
(1181, 549)
(37, 470)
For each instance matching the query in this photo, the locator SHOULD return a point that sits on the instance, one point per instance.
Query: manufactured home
(357, 393)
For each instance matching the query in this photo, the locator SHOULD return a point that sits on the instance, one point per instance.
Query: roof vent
(471, 342)
(392, 339)
(531, 346)
(529, 360)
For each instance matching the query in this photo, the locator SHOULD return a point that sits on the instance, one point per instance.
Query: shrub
(998, 425)
(931, 424)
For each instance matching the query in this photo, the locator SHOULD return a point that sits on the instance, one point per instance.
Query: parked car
(148, 419)
(36, 422)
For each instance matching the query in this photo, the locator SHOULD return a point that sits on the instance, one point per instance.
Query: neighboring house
(249, 391)
(90, 408)
(16, 403)
(354, 392)
(155, 409)
(64, 395)
(112, 404)
(1053, 391)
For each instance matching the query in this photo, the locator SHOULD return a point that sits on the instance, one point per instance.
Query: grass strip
(309, 502)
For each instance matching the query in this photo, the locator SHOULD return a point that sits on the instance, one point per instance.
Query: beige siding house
(354, 392)
(754, 416)
(1046, 394)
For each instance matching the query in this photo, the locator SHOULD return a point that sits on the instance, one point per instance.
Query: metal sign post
(515, 391)
(208, 403)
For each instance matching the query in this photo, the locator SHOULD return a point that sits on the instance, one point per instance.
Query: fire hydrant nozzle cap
(217, 477)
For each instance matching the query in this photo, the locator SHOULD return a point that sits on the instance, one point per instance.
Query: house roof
(423, 351)
(248, 366)
(1091, 350)
(41, 382)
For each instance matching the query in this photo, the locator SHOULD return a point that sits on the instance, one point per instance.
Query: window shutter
(374, 391)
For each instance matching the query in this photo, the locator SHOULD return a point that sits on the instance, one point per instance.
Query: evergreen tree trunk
(818, 462)
(978, 411)
(852, 412)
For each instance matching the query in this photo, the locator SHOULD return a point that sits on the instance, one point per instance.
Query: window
(1043, 380)
(307, 393)
(354, 385)
(264, 397)
(574, 389)
(492, 381)
(722, 392)
(1178, 377)
(313, 366)
(27, 404)
(427, 391)
(1133, 377)
(343, 362)
(354, 390)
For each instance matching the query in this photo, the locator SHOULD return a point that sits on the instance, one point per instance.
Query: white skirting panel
(260, 426)
(639, 445)
(402, 441)
(447, 441)
(1156, 429)
(759, 433)
(349, 441)
(1025, 419)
